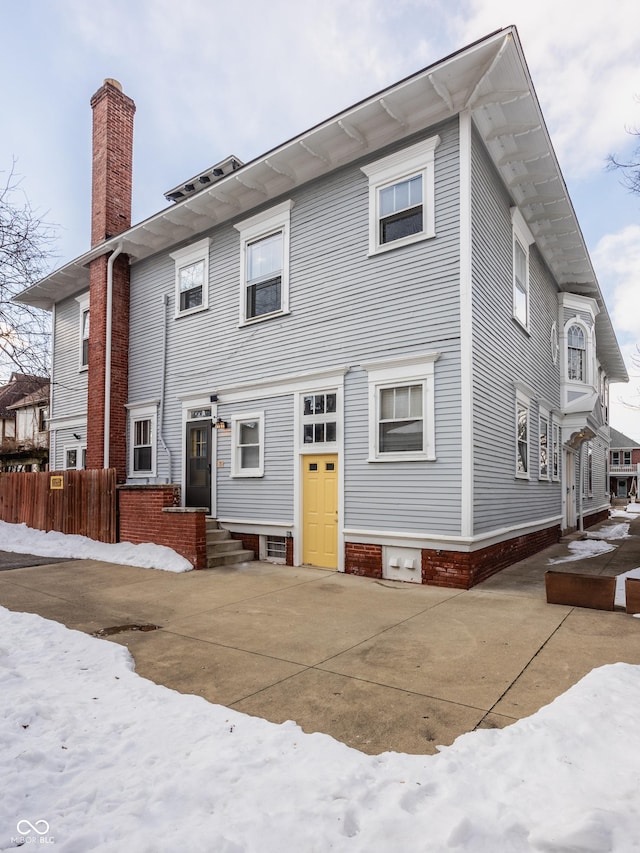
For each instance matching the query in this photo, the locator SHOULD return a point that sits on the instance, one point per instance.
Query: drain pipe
(581, 487)
(165, 303)
(107, 357)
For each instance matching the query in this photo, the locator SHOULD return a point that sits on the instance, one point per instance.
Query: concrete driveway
(376, 664)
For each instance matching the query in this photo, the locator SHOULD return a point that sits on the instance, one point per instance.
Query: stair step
(222, 546)
(217, 535)
(211, 524)
(230, 558)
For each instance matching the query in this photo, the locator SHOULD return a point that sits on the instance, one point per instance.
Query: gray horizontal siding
(269, 497)
(504, 354)
(346, 308)
(69, 395)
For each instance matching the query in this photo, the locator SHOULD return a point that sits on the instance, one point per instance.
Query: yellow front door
(320, 510)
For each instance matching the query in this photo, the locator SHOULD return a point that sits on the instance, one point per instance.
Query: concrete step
(230, 558)
(211, 524)
(222, 546)
(217, 535)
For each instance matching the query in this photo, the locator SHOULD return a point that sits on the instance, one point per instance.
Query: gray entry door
(198, 467)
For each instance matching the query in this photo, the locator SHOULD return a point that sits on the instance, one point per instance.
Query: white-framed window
(319, 418)
(264, 263)
(555, 451)
(84, 317)
(401, 408)
(192, 278)
(247, 437)
(523, 407)
(576, 353)
(142, 440)
(75, 457)
(522, 239)
(402, 196)
(273, 549)
(543, 444)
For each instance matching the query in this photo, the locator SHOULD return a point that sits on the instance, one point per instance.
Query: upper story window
(83, 303)
(402, 196)
(522, 239)
(576, 351)
(543, 434)
(401, 408)
(43, 418)
(264, 263)
(192, 278)
(621, 457)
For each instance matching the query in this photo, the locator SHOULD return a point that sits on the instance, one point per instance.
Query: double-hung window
(402, 197)
(576, 351)
(142, 440)
(192, 278)
(83, 304)
(543, 434)
(247, 436)
(401, 408)
(264, 263)
(555, 451)
(319, 418)
(523, 405)
(522, 239)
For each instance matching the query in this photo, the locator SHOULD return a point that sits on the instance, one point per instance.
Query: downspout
(107, 357)
(165, 302)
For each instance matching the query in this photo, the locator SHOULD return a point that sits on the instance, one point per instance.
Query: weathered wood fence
(82, 502)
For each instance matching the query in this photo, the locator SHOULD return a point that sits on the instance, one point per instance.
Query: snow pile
(633, 508)
(612, 531)
(620, 513)
(100, 759)
(25, 540)
(581, 549)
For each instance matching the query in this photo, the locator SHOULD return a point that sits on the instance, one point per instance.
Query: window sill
(521, 325)
(83, 368)
(141, 475)
(397, 244)
(190, 311)
(526, 477)
(246, 476)
(253, 320)
(402, 457)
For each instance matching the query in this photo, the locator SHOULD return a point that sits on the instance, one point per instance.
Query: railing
(625, 469)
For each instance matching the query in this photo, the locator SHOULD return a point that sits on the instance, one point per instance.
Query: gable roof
(619, 440)
(19, 386)
(488, 78)
(38, 397)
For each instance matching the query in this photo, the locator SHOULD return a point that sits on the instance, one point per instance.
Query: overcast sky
(213, 78)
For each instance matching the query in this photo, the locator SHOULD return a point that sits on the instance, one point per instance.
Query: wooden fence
(82, 502)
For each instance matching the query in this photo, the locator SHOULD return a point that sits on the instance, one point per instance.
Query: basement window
(273, 549)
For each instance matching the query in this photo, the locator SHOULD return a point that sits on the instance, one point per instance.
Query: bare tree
(25, 254)
(630, 167)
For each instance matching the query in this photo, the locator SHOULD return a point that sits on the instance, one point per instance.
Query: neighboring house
(624, 466)
(381, 347)
(24, 412)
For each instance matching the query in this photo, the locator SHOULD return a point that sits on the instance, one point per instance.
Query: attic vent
(195, 184)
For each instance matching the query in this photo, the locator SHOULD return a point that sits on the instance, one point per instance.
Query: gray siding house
(379, 348)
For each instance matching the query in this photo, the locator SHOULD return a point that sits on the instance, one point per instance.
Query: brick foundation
(250, 542)
(596, 518)
(153, 514)
(457, 569)
(464, 570)
(363, 560)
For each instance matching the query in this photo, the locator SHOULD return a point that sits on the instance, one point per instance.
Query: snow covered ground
(25, 540)
(93, 757)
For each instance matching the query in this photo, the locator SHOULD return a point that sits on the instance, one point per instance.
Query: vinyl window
(247, 436)
(264, 264)
(192, 278)
(522, 239)
(402, 197)
(84, 317)
(142, 441)
(523, 406)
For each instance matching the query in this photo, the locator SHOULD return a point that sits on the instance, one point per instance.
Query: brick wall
(250, 542)
(464, 570)
(595, 518)
(153, 514)
(364, 560)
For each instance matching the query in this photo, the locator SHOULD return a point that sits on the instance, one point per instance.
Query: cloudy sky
(213, 78)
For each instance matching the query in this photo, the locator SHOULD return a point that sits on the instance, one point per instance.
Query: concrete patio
(376, 664)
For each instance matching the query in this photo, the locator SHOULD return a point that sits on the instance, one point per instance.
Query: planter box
(632, 592)
(578, 590)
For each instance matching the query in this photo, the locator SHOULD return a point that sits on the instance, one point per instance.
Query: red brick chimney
(113, 115)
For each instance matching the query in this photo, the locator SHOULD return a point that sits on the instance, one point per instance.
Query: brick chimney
(113, 115)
